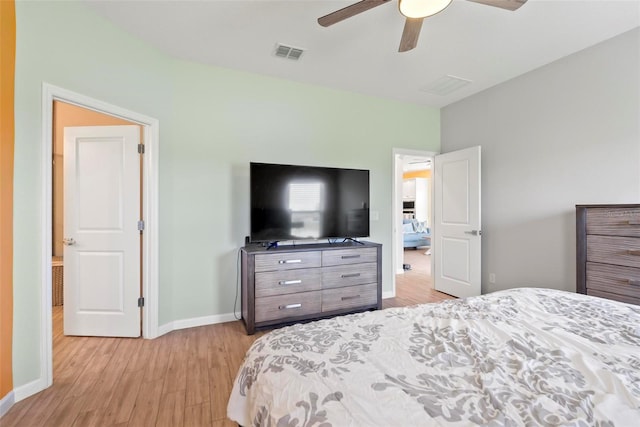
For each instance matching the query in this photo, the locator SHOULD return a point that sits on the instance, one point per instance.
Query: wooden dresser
(289, 284)
(608, 251)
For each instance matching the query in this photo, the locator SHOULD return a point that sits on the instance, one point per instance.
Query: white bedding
(517, 357)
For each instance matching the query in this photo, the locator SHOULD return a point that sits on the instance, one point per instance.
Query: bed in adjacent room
(518, 357)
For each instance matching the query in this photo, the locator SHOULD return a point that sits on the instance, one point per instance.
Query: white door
(457, 235)
(101, 237)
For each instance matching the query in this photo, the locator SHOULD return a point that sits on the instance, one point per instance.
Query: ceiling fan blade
(502, 4)
(349, 11)
(410, 34)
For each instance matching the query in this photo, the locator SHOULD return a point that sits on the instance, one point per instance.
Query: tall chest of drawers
(608, 251)
(291, 284)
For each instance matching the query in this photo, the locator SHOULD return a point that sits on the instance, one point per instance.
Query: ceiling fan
(414, 10)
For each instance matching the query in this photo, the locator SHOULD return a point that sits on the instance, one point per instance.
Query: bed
(517, 357)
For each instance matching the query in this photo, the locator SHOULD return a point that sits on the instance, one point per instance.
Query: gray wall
(561, 135)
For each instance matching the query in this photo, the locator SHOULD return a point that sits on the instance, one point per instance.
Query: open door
(102, 240)
(457, 236)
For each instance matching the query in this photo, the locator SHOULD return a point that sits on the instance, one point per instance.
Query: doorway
(412, 216)
(97, 192)
(150, 132)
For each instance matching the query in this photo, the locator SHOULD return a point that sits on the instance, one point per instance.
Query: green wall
(213, 122)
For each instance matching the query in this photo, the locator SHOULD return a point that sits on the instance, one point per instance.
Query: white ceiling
(484, 44)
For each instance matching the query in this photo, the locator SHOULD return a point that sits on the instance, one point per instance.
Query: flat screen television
(293, 202)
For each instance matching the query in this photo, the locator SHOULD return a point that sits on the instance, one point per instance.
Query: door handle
(68, 242)
(474, 232)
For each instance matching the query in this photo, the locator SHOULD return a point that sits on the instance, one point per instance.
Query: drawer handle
(288, 306)
(634, 252)
(289, 282)
(289, 261)
(351, 297)
(634, 222)
(633, 282)
(344, 276)
(350, 256)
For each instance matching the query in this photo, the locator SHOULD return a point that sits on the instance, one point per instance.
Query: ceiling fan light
(422, 8)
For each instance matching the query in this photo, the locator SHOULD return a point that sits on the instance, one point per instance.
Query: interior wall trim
(150, 263)
(6, 403)
(396, 203)
(388, 294)
(196, 321)
(29, 389)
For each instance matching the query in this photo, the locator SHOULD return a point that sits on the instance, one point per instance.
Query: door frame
(396, 215)
(149, 267)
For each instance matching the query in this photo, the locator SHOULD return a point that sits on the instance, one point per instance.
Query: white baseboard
(164, 329)
(29, 389)
(388, 294)
(6, 403)
(195, 322)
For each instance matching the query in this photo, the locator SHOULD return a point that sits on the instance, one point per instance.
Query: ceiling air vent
(446, 85)
(284, 51)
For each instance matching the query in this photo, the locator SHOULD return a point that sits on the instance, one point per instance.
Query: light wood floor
(183, 378)
(415, 286)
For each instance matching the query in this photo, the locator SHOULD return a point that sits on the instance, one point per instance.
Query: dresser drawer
(278, 261)
(290, 305)
(614, 221)
(349, 256)
(613, 279)
(288, 284)
(349, 275)
(615, 297)
(353, 296)
(614, 250)
(288, 281)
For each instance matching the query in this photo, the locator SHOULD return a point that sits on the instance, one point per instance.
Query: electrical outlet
(492, 277)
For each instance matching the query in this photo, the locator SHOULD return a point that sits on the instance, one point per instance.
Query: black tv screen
(290, 202)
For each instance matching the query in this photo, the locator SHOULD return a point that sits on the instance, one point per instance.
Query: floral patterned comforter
(517, 357)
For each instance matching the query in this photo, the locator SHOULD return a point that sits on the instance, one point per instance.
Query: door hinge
(141, 302)
(141, 148)
(140, 225)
